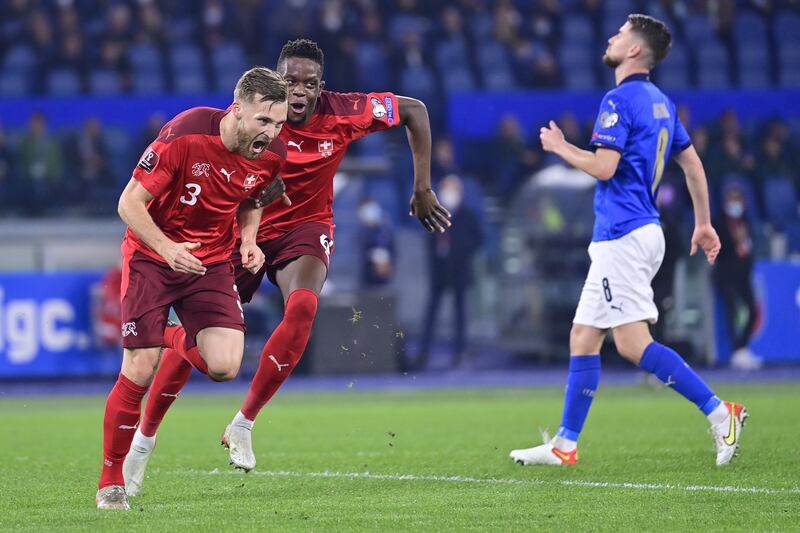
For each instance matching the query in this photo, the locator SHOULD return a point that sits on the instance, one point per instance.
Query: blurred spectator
(90, 176)
(43, 41)
(733, 273)
(444, 159)
(376, 240)
(40, 165)
(7, 185)
(729, 154)
(151, 130)
(107, 310)
(507, 150)
(450, 267)
(672, 207)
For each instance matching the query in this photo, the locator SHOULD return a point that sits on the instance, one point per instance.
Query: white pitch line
(496, 481)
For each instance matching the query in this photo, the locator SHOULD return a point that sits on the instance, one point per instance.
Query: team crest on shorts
(129, 328)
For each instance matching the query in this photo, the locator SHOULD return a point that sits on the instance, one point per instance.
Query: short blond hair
(263, 81)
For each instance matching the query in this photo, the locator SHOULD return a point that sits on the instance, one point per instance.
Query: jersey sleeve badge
(149, 160)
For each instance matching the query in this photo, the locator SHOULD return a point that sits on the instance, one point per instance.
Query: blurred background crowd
(58, 55)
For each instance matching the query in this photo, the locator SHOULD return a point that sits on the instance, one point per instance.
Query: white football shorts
(617, 290)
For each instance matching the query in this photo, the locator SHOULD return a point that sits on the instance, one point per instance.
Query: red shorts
(150, 287)
(311, 238)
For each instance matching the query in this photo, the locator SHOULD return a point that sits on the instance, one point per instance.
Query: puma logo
(123, 426)
(296, 145)
(280, 366)
(168, 395)
(670, 382)
(227, 174)
(618, 307)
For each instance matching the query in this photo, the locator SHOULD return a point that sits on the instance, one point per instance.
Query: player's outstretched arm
(132, 209)
(424, 204)
(249, 217)
(600, 164)
(704, 236)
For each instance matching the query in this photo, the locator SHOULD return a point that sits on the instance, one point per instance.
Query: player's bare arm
(132, 210)
(276, 189)
(424, 204)
(601, 164)
(248, 217)
(704, 236)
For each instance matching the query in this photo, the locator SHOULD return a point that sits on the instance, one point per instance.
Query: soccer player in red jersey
(297, 239)
(202, 174)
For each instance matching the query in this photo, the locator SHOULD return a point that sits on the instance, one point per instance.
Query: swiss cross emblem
(250, 181)
(325, 147)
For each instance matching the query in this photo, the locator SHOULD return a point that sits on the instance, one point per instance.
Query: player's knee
(140, 365)
(223, 367)
(579, 340)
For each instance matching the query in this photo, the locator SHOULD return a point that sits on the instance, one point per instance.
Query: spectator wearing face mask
(450, 267)
(377, 245)
(733, 273)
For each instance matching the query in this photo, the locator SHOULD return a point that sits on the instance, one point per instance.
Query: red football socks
(173, 374)
(175, 338)
(283, 350)
(123, 408)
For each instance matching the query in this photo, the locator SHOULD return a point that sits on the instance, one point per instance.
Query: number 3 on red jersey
(194, 191)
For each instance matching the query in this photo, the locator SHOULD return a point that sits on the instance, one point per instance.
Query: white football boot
(112, 497)
(544, 454)
(728, 433)
(239, 440)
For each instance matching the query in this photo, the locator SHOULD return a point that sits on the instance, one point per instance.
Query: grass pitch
(422, 461)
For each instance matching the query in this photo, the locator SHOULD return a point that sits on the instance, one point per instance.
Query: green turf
(307, 443)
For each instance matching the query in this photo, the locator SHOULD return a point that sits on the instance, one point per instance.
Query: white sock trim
(242, 421)
(719, 414)
(142, 441)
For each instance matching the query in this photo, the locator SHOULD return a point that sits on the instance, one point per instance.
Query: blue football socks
(582, 382)
(673, 371)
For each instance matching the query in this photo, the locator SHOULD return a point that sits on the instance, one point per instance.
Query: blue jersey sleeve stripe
(683, 147)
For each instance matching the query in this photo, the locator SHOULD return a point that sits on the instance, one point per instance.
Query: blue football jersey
(639, 121)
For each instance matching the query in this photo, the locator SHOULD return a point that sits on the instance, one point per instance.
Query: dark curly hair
(655, 33)
(305, 48)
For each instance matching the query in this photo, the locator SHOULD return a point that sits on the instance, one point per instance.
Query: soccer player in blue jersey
(636, 130)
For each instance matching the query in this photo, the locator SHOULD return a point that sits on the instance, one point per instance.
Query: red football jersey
(315, 150)
(199, 184)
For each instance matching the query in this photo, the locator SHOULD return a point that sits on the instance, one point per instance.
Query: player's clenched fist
(276, 189)
(179, 258)
(252, 257)
(551, 136)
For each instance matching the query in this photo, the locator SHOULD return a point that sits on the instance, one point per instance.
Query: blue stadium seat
(148, 82)
(673, 73)
(451, 54)
(105, 82)
(190, 82)
(373, 66)
(119, 150)
(580, 79)
(19, 59)
(577, 28)
(792, 231)
(753, 64)
(225, 80)
(495, 66)
(697, 29)
(14, 84)
(787, 27)
(789, 63)
(481, 27)
(63, 82)
(186, 57)
(144, 57)
(749, 27)
(228, 56)
(458, 79)
(712, 66)
(780, 201)
(418, 82)
(401, 24)
(576, 56)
